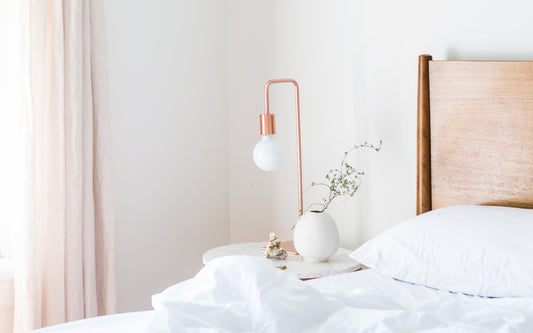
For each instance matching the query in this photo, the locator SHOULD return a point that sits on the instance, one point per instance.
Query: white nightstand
(339, 263)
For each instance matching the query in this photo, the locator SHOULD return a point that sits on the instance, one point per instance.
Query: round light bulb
(268, 153)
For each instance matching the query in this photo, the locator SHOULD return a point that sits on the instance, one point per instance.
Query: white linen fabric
(246, 294)
(62, 244)
(476, 250)
(131, 322)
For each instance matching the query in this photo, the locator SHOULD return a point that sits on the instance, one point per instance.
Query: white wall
(167, 72)
(356, 62)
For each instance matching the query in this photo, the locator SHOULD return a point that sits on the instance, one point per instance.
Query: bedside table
(337, 264)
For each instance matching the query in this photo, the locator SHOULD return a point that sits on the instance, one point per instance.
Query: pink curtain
(63, 242)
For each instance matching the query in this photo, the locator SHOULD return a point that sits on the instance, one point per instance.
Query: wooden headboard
(475, 133)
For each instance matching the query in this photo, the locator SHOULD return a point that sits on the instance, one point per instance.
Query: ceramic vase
(316, 237)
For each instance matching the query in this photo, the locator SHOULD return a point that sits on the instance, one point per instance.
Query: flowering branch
(344, 181)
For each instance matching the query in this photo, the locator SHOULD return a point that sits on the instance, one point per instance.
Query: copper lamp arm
(268, 128)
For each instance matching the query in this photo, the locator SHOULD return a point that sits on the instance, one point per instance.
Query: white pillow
(475, 250)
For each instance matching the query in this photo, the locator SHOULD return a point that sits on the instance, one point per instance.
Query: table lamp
(269, 153)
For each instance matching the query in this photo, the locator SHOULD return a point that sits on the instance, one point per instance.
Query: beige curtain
(63, 241)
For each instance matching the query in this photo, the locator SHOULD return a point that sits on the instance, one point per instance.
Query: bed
(463, 264)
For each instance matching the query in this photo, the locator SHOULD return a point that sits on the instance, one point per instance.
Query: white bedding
(245, 294)
(131, 322)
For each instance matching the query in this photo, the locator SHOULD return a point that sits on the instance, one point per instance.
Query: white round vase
(316, 237)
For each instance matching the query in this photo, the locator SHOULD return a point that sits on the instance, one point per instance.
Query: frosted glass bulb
(268, 153)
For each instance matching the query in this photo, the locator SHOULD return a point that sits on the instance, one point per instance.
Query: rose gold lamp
(268, 153)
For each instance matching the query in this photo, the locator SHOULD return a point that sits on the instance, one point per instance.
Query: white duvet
(246, 294)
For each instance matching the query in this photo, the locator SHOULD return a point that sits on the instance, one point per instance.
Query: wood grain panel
(481, 133)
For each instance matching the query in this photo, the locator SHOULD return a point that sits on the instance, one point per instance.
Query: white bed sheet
(131, 322)
(242, 294)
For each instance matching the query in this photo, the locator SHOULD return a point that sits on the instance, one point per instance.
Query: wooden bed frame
(475, 133)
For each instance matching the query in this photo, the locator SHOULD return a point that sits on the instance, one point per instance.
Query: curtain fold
(63, 248)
